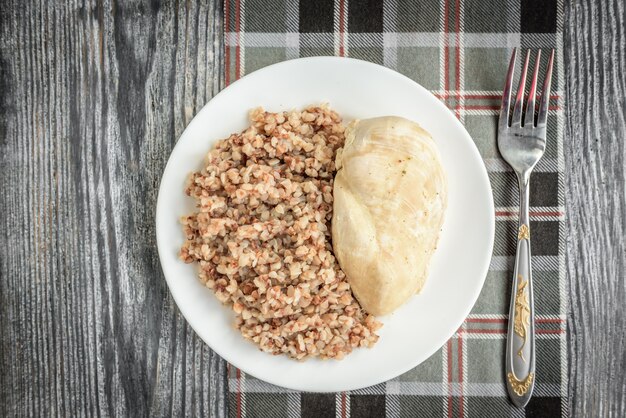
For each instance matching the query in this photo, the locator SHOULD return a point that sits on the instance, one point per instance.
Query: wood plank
(595, 132)
(94, 97)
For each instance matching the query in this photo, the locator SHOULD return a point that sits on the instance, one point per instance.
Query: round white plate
(356, 89)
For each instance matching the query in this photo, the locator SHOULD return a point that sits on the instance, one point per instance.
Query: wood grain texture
(595, 160)
(94, 96)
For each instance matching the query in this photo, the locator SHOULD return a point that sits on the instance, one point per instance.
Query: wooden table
(93, 97)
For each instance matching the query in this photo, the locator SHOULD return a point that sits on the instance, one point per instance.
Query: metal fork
(522, 145)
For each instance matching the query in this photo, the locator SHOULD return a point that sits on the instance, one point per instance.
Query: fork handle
(520, 345)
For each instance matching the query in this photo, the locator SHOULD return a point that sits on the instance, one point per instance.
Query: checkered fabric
(460, 50)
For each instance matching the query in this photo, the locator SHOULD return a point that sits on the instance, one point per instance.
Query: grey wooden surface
(93, 97)
(595, 161)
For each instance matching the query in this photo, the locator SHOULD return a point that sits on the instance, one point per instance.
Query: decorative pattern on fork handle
(524, 232)
(520, 356)
(522, 314)
(522, 145)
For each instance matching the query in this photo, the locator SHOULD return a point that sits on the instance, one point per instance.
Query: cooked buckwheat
(261, 236)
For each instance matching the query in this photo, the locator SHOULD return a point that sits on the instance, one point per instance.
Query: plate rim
(384, 375)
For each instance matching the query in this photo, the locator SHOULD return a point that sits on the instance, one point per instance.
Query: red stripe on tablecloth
(445, 49)
(503, 320)
(341, 28)
(480, 96)
(459, 343)
(343, 404)
(494, 107)
(457, 67)
(238, 393)
(485, 331)
(488, 320)
(227, 47)
(531, 213)
(238, 47)
(450, 378)
(504, 331)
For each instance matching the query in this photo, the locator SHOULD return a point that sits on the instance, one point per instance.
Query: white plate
(356, 89)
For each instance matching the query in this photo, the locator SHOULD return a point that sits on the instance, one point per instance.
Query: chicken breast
(390, 195)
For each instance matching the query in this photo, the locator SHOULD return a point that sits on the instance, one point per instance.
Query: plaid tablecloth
(459, 49)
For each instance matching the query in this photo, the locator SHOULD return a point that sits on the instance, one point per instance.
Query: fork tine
(506, 93)
(529, 118)
(516, 120)
(542, 118)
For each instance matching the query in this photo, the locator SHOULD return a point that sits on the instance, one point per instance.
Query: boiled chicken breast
(390, 195)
